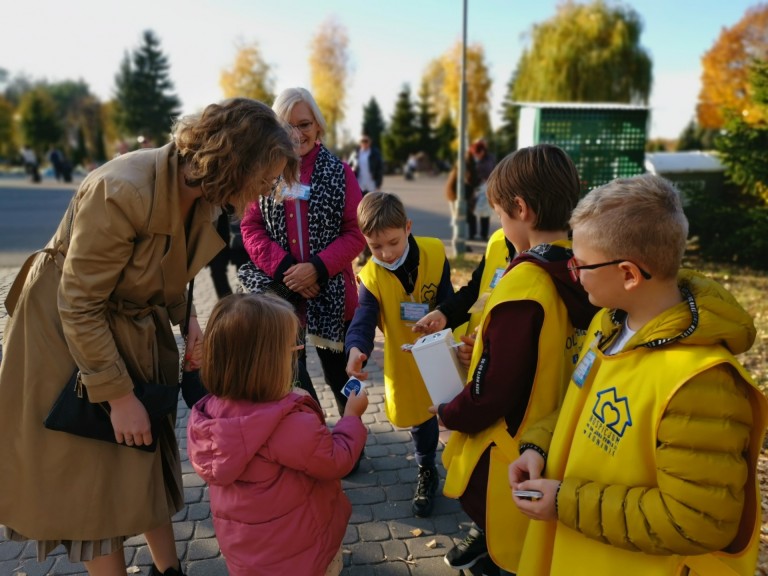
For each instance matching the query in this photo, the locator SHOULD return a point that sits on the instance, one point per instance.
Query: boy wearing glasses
(650, 468)
(527, 344)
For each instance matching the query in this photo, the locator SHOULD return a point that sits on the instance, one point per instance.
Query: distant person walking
(484, 164)
(368, 166)
(31, 166)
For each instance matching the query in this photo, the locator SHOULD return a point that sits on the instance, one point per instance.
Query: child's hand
(356, 405)
(194, 348)
(436, 411)
(464, 353)
(544, 508)
(432, 322)
(355, 364)
(528, 466)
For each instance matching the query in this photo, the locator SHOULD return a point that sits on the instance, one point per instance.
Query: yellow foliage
(725, 86)
(328, 68)
(443, 78)
(249, 77)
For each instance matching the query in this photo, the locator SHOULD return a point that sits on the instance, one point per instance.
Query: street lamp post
(460, 213)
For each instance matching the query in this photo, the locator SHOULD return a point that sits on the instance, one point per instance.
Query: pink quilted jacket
(273, 471)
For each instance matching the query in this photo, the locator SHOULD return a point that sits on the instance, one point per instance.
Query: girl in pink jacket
(272, 466)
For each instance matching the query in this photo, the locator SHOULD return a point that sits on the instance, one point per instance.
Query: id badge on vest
(297, 192)
(413, 311)
(479, 304)
(584, 367)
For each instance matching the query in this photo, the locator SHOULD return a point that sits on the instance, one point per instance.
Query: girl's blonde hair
(231, 149)
(247, 348)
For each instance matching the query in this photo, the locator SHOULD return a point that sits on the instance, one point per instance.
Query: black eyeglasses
(574, 268)
(305, 126)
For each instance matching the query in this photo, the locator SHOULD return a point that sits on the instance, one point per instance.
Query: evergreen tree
(402, 138)
(445, 135)
(506, 135)
(6, 129)
(695, 137)
(40, 125)
(144, 102)
(425, 120)
(743, 145)
(373, 122)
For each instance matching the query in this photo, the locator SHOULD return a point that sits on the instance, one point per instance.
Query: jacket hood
(224, 435)
(708, 315)
(553, 258)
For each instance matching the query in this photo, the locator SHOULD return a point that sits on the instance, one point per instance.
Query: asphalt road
(29, 213)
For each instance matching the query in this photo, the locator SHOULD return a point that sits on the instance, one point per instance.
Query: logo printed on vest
(609, 420)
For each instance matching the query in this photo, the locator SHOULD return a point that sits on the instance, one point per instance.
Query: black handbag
(75, 414)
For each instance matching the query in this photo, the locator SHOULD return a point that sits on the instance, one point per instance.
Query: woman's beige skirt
(77, 550)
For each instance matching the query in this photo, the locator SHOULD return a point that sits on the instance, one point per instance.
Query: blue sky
(391, 43)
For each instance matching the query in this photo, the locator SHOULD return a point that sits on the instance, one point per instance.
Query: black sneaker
(426, 486)
(469, 551)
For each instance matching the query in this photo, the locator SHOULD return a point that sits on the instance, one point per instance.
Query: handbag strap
(188, 314)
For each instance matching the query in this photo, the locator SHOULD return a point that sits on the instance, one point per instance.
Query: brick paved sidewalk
(383, 537)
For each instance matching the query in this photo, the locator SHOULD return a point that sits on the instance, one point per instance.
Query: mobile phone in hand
(532, 495)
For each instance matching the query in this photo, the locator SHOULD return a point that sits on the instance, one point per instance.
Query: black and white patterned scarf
(325, 313)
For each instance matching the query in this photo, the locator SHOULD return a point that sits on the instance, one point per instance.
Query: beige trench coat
(103, 301)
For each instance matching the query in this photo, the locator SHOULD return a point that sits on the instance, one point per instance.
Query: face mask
(397, 263)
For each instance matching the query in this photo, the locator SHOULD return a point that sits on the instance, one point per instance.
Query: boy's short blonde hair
(247, 348)
(380, 211)
(640, 219)
(545, 177)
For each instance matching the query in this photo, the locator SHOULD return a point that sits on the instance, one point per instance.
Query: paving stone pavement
(382, 538)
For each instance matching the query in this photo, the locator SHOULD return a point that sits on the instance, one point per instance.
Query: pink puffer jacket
(274, 471)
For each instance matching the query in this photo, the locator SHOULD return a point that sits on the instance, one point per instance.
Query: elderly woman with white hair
(302, 241)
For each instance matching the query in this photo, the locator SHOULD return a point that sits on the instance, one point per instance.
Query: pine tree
(40, 125)
(373, 122)
(743, 145)
(506, 135)
(144, 102)
(401, 140)
(425, 120)
(445, 135)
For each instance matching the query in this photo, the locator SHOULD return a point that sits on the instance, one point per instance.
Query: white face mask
(397, 263)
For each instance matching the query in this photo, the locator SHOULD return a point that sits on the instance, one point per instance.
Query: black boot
(169, 572)
(426, 486)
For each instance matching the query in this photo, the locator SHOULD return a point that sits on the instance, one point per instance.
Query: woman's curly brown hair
(231, 148)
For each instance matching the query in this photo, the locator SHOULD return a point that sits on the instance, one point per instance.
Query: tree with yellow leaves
(725, 86)
(442, 81)
(585, 53)
(329, 69)
(250, 76)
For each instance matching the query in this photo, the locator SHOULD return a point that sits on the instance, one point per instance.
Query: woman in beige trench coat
(102, 297)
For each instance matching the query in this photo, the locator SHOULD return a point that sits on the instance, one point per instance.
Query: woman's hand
(300, 276)
(355, 364)
(312, 292)
(130, 421)
(193, 357)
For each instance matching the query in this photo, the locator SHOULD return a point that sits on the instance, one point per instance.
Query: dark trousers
(220, 263)
(485, 223)
(334, 366)
(425, 437)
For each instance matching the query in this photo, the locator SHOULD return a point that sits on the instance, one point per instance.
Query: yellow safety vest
(606, 432)
(496, 262)
(405, 394)
(558, 350)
